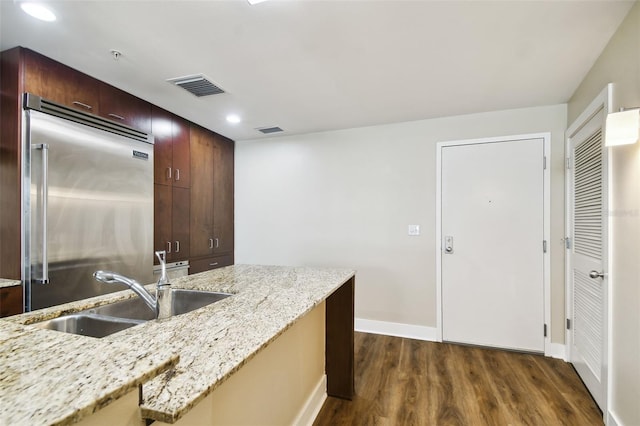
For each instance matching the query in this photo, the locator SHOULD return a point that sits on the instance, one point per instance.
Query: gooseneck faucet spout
(161, 303)
(109, 277)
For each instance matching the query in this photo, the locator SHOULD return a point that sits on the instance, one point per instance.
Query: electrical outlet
(413, 230)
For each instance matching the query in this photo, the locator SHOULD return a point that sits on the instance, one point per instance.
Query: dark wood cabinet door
(59, 83)
(181, 153)
(121, 107)
(202, 159)
(162, 217)
(171, 151)
(162, 131)
(10, 301)
(180, 224)
(223, 196)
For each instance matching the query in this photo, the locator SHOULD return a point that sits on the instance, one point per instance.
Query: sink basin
(182, 301)
(108, 319)
(88, 324)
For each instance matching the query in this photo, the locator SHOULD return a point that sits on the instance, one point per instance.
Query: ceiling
(309, 66)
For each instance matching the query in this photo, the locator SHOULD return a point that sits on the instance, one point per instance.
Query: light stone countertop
(214, 341)
(57, 378)
(9, 283)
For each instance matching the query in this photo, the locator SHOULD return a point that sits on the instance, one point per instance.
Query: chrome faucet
(161, 303)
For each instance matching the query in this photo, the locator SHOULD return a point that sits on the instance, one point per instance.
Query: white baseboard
(612, 420)
(313, 404)
(410, 331)
(556, 350)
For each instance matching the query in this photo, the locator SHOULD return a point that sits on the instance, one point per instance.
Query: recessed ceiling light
(38, 11)
(233, 118)
(252, 2)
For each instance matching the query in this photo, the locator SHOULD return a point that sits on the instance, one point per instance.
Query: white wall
(620, 63)
(345, 198)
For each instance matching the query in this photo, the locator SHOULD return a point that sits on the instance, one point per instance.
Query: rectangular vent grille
(267, 130)
(197, 85)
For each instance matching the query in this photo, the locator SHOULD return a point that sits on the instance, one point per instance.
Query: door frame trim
(602, 102)
(546, 137)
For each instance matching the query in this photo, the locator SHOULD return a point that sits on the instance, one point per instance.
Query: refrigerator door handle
(45, 204)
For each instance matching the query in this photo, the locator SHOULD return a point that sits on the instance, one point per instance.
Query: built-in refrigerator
(87, 203)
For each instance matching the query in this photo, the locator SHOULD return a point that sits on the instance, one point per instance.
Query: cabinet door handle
(119, 117)
(213, 264)
(177, 175)
(210, 243)
(85, 106)
(168, 246)
(217, 243)
(168, 172)
(177, 246)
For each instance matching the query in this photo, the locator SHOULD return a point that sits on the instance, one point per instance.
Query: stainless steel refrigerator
(87, 203)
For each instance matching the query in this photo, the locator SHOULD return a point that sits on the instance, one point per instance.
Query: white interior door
(492, 224)
(588, 256)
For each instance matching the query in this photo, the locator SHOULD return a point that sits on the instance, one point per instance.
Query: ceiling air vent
(197, 85)
(267, 130)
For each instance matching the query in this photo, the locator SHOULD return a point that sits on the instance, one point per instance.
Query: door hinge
(567, 242)
(544, 162)
(568, 324)
(544, 246)
(545, 330)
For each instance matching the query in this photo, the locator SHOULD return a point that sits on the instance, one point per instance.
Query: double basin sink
(104, 320)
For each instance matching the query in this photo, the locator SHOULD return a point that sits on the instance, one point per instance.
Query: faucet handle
(162, 256)
(164, 279)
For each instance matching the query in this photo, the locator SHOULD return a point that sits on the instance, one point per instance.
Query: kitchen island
(216, 343)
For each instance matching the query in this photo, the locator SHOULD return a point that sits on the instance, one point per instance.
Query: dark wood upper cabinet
(181, 150)
(64, 85)
(162, 131)
(171, 151)
(124, 108)
(59, 83)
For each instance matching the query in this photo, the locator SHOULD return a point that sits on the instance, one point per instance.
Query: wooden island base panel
(340, 342)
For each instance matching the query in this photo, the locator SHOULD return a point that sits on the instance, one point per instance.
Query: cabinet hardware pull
(168, 172)
(177, 175)
(213, 264)
(177, 246)
(85, 106)
(168, 247)
(119, 117)
(210, 243)
(217, 243)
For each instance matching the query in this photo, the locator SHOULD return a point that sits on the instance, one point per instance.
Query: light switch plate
(413, 230)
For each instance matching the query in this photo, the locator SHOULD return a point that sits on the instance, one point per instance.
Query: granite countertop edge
(4, 282)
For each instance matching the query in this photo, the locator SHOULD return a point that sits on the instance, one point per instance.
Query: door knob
(596, 274)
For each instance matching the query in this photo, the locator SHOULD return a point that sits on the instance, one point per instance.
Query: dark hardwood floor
(410, 382)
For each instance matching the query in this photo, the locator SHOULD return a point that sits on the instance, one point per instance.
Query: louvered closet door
(588, 255)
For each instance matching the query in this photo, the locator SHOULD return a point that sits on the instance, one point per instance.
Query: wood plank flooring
(410, 382)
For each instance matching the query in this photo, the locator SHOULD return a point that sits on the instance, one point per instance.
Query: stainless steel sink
(182, 301)
(88, 324)
(108, 319)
